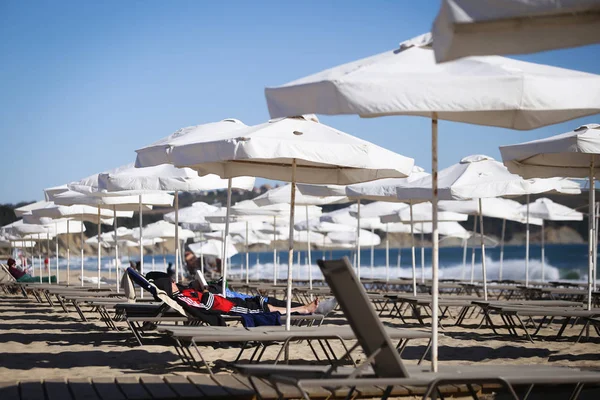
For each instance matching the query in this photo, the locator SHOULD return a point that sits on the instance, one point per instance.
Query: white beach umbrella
(166, 178)
(573, 154)
(27, 209)
(50, 192)
(547, 210)
(88, 192)
(475, 177)
(212, 248)
(366, 238)
(486, 27)
(293, 149)
(492, 91)
(502, 208)
(192, 217)
(282, 195)
(385, 190)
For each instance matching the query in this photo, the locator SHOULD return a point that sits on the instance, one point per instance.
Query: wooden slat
(184, 388)
(207, 386)
(235, 387)
(57, 389)
(9, 391)
(82, 389)
(108, 389)
(132, 388)
(157, 387)
(32, 391)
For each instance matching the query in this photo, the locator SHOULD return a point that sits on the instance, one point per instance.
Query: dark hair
(11, 262)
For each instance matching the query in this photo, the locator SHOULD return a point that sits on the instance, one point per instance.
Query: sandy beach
(41, 342)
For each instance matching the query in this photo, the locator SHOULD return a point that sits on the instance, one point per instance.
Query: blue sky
(83, 84)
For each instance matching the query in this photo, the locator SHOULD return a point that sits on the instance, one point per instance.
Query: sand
(41, 342)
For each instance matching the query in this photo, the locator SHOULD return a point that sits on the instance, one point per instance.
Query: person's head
(190, 258)
(11, 262)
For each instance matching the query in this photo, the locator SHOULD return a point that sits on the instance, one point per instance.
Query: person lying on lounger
(206, 300)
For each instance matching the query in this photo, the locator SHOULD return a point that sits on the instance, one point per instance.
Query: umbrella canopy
(322, 190)
(316, 225)
(568, 155)
(382, 189)
(282, 195)
(366, 238)
(158, 152)
(164, 230)
(378, 208)
(474, 177)
(548, 210)
(20, 211)
(212, 248)
(79, 212)
(479, 90)
(485, 27)
(165, 177)
(192, 217)
(492, 207)
(49, 193)
(323, 154)
(422, 212)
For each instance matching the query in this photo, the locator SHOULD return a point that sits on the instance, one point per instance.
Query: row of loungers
(383, 367)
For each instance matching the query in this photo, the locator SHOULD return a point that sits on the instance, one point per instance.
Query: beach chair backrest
(362, 317)
(156, 292)
(128, 288)
(5, 275)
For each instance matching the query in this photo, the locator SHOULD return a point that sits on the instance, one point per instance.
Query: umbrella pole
(99, 248)
(591, 218)
(483, 269)
(464, 268)
(177, 236)
(56, 247)
(387, 255)
(224, 260)
(372, 255)
(412, 249)
(81, 245)
(502, 249)
(291, 249)
(543, 253)
(527, 246)
(310, 285)
(274, 250)
(473, 250)
(435, 244)
(247, 255)
(153, 256)
(358, 241)
(596, 246)
(48, 255)
(141, 240)
(164, 254)
(41, 250)
(68, 255)
(422, 254)
(117, 270)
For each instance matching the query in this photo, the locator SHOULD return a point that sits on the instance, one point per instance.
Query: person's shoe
(326, 306)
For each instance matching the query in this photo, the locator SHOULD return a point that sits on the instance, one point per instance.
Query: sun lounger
(189, 338)
(388, 369)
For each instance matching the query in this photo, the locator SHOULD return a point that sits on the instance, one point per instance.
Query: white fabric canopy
(323, 154)
(479, 90)
(316, 225)
(192, 217)
(80, 212)
(548, 210)
(322, 190)
(158, 152)
(366, 238)
(474, 177)
(165, 177)
(164, 230)
(476, 90)
(382, 189)
(492, 208)
(567, 155)
(378, 208)
(282, 195)
(212, 248)
(486, 27)
(27, 209)
(422, 212)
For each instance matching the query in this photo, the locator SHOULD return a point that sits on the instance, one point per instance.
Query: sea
(561, 261)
